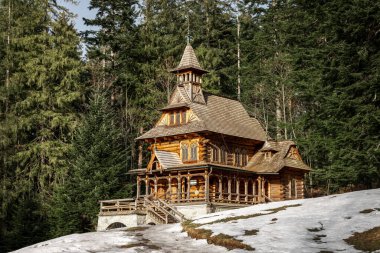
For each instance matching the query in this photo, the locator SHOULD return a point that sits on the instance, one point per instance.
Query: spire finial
(188, 36)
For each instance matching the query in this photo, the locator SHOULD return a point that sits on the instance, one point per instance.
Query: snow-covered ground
(309, 225)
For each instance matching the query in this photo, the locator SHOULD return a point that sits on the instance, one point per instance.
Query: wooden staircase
(161, 212)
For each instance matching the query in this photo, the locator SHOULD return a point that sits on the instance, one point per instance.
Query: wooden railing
(119, 206)
(233, 198)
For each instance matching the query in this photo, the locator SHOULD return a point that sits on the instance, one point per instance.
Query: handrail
(158, 207)
(176, 212)
(267, 198)
(157, 214)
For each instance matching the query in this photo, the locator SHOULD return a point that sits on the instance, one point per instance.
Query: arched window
(194, 151)
(237, 157)
(185, 152)
(223, 155)
(215, 154)
(244, 157)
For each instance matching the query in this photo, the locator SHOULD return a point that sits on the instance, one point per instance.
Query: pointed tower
(189, 75)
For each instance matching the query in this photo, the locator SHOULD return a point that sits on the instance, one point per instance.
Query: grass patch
(366, 241)
(367, 210)
(243, 217)
(226, 241)
(377, 209)
(282, 208)
(140, 244)
(251, 232)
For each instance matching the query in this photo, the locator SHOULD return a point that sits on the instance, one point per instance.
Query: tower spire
(188, 36)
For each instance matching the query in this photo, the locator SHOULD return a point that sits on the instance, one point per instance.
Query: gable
(293, 154)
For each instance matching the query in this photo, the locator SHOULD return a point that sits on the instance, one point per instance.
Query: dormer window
(183, 117)
(177, 118)
(268, 154)
(171, 118)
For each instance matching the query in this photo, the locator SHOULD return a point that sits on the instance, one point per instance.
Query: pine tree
(38, 111)
(98, 170)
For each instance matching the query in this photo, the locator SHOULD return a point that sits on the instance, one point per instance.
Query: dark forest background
(308, 70)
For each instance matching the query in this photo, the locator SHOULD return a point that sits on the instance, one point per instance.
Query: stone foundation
(129, 220)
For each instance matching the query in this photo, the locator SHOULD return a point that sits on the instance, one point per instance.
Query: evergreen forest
(307, 70)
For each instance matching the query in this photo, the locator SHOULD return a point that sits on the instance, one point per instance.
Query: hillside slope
(310, 225)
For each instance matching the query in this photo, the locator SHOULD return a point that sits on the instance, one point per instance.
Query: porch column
(260, 189)
(254, 190)
(246, 190)
(179, 193)
(207, 190)
(229, 188)
(146, 186)
(237, 189)
(188, 188)
(170, 188)
(138, 187)
(155, 187)
(220, 188)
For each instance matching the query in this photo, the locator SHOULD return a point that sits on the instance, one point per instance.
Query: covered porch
(208, 185)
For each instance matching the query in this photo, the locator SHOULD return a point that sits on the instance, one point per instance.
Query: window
(183, 117)
(215, 154)
(223, 155)
(171, 118)
(237, 157)
(177, 118)
(185, 152)
(194, 151)
(244, 158)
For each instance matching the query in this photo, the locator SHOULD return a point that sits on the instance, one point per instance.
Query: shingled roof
(259, 164)
(189, 61)
(168, 159)
(218, 115)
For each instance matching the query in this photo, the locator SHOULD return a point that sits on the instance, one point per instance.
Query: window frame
(192, 156)
(184, 150)
(237, 157)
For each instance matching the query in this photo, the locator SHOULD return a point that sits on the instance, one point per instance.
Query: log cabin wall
(230, 144)
(174, 145)
(276, 187)
(293, 184)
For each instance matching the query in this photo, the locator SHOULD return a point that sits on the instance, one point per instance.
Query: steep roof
(189, 61)
(259, 164)
(218, 115)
